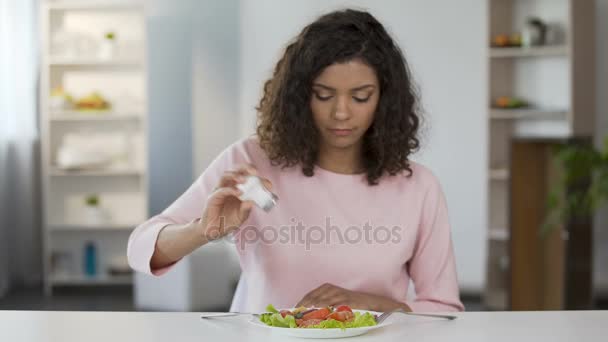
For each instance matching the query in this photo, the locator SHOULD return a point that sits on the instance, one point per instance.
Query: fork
(385, 315)
(227, 314)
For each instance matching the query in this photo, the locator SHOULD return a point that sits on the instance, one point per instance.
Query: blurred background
(110, 109)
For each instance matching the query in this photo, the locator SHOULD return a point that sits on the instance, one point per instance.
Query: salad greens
(341, 317)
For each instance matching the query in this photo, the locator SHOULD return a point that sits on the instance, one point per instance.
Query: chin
(341, 143)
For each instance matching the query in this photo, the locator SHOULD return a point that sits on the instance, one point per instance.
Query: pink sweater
(329, 228)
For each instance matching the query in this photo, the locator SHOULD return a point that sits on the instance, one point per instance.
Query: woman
(356, 219)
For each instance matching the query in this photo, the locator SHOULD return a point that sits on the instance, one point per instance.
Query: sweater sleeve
(188, 207)
(432, 267)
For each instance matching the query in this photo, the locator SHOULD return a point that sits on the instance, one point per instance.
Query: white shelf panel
(64, 5)
(82, 280)
(499, 174)
(499, 234)
(56, 172)
(75, 115)
(520, 52)
(84, 228)
(513, 114)
(80, 62)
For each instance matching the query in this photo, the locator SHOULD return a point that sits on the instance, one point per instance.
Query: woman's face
(343, 102)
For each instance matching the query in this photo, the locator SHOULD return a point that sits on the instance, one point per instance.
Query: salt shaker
(254, 190)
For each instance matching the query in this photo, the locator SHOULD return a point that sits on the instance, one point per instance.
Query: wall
(445, 44)
(215, 79)
(601, 222)
(169, 91)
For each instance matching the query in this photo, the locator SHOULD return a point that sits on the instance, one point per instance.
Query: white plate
(320, 333)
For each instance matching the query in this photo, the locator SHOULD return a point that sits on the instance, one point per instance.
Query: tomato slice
(317, 314)
(286, 312)
(342, 316)
(343, 308)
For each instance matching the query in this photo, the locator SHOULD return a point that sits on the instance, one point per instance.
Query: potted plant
(94, 214)
(583, 186)
(577, 194)
(107, 49)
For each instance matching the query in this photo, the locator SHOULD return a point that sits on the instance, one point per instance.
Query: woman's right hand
(224, 211)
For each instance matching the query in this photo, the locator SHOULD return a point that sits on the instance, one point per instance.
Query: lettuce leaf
(271, 308)
(361, 320)
(276, 320)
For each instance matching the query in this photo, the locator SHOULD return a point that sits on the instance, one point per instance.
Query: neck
(341, 160)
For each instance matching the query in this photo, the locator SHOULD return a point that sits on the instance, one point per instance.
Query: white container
(107, 49)
(254, 190)
(95, 216)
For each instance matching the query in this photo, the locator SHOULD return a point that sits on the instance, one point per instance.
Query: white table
(17, 326)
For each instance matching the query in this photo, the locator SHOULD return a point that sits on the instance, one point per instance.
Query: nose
(341, 111)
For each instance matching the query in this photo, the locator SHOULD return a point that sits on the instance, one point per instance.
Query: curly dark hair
(285, 128)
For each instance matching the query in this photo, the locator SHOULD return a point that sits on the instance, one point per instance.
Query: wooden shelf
(521, 52)
(82, 280)
(499, 174)
(499, 234)
(70, 116)
(526, 113)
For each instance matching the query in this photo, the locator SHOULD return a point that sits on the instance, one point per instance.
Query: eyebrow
(365, 86)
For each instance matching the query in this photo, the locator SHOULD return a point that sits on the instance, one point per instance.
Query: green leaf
(276, 320)
(583, 186)
(271, 308)
(360, 320)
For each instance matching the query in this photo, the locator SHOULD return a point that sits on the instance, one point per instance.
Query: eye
(322, 98)
(361, 100)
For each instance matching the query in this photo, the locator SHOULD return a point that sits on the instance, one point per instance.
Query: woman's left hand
(329, 294)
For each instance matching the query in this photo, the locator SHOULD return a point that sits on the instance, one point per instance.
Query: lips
(341, 132)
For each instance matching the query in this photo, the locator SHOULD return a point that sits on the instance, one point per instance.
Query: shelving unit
(70, 62)
(540, 51)
(89, 228)
(96, 173)
(94, 5)
(526, 113)
(72, 115)
(558, 81)
(499, 174)
(120, 185)
(91, 281)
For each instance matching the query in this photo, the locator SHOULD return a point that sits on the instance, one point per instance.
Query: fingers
(220, 195)
(247, 169)
(245, 209)
(332, 299)
(230, 179)
(324, 295)
(233, 177)
(306, 300)
(267, 183)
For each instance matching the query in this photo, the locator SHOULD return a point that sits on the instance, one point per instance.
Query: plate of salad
(325, 322)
